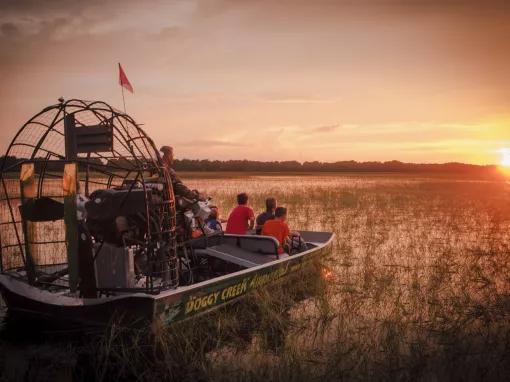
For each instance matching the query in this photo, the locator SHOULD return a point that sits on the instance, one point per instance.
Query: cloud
(299, 100)
(9, 30)
(65, 20)
(325, 128)
(168, 33)
(204, 143)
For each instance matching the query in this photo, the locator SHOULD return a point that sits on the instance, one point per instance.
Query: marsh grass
(420, 291)
(193, 349)
(421, 287)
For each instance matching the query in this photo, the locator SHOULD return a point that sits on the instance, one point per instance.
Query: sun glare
(505, 160)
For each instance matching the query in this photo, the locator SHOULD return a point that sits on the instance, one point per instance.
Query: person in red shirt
(278, 228)
(241, 218)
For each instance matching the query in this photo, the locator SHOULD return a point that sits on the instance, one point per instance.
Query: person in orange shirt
(278, 228)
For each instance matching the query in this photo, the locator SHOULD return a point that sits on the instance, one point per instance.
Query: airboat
(90, 228)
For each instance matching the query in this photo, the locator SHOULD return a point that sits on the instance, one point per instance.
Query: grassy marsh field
(417, 287)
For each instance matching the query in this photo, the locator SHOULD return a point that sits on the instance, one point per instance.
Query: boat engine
(117, 218)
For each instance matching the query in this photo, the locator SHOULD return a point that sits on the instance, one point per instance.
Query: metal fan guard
(41, 140)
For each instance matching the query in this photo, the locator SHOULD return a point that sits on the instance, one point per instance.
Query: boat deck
(251, 250)
(239, 256)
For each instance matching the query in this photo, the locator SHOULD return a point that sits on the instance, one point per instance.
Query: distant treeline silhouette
(207, 165)
(340, 166)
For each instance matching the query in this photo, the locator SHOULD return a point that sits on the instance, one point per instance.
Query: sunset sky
(417, 81)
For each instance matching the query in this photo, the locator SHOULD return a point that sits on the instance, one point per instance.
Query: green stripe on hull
(189, 303)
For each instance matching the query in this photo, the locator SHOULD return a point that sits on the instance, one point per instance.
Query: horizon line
(342, 161)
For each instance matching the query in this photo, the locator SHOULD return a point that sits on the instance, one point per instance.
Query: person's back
(268, 214)
(241, 218)
(178, 186)
(278, 228)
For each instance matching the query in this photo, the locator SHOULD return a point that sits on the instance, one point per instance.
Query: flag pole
(123, 100)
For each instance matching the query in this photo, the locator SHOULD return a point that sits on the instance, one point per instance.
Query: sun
(505, 159)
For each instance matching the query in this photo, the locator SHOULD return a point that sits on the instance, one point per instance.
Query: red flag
(123, 80)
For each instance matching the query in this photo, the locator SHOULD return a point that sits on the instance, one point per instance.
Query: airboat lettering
(234, 290)
(260, 280)
(199, 303)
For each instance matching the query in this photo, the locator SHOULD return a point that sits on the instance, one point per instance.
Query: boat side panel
(188, 303)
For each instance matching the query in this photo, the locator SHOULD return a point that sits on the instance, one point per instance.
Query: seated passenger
(214, 221)
(268, 214)
(278, 228)
(241, 218)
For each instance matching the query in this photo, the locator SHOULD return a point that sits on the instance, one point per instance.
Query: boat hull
(140, 308)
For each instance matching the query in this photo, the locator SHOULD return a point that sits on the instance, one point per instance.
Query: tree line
(206, 165)
(339, 166)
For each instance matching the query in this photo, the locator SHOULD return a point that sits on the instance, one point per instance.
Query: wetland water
(417, 287)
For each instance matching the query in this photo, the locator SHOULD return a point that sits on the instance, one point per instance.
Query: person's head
(280, 213)
(168, 152)
(270, 204)
(242, 199)
(214, 212)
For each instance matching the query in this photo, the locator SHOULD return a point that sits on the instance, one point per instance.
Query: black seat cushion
(42, 209)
